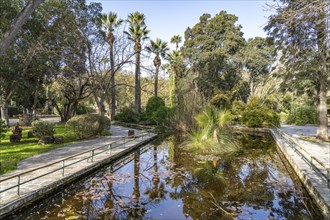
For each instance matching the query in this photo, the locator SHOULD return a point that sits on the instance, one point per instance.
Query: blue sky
(166, 18)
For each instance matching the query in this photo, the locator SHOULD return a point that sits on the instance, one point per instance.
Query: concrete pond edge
(281, 147)
(46, 191)
(50, 189)
(318, 199)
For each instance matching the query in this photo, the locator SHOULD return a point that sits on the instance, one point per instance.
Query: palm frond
(224, 118)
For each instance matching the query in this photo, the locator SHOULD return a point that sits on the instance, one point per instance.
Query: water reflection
(164, 181)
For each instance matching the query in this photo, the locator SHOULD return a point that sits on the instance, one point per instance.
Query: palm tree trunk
(172, 89)
(137, 82)
(155, 178)
(112, 83)
(136, 189)
(156, 80)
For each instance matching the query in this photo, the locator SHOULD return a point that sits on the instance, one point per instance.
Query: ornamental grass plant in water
(214, 134)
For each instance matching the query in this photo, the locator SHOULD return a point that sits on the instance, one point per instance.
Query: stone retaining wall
(50, 189)
(314, 193)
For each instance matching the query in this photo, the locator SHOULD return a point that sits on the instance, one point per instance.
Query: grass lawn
(12, 153)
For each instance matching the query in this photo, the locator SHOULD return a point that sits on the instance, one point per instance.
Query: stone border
(252, 131)
(56, 186)
(323, 206)
(318, 199)
(50, 189)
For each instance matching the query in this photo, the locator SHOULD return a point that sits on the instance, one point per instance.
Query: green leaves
(43, 128)
(89, 125)
(158, 47)
(213, 134)
(111, 21)
(3, 129)
(137, 29)
(211, 46)
(176, 39)
(256, 113)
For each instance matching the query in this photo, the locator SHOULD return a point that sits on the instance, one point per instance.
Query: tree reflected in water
(167, 181)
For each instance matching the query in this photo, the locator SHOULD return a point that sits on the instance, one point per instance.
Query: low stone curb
(37, 195)
(315, 185)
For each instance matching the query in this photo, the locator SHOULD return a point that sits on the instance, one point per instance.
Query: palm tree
(137, 32)
(159, 48)
(214, 134)
(176, 39)
(173, 59)
(110, 22)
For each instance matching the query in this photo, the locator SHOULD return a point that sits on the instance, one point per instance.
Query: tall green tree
(300, 29)
(175, 59)
(137, 32)
(258, 57)
(212, 48)
(110, 23)
(72, 85)
(176, 39)
(17, 23)
(45, 51)
(27, 62)
(159, 48)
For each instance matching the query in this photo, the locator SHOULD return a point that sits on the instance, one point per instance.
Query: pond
(164, 181)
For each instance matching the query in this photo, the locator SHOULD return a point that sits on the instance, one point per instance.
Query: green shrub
(143, 116)
(271, 104)
(236, 110)
(220, 100)
(241, 91)
(154, 103)
(82, 109)
(256, 114)
(43, 128)
(302, 115)
(286, 103)
(89, 125)
(14, 110)
(3, 129)
(161, 115)
(128, 115)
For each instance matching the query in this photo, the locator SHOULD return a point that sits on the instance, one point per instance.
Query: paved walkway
(35, 188)
(117, 132)
(318, 150)
(314, 182)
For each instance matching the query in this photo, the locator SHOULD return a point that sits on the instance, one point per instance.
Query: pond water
(164, 181)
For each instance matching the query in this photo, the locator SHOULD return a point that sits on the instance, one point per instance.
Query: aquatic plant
(214, 134)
